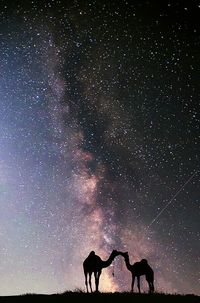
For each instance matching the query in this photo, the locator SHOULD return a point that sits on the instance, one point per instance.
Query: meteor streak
(172, 199)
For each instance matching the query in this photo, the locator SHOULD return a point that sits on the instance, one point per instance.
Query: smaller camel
(139, 269)
(94, 264)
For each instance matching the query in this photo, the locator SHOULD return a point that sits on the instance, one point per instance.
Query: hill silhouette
(126, 297)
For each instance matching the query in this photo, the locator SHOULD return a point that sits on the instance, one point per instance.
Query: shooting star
(172, 199)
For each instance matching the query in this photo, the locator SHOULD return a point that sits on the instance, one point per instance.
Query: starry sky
(99, 129)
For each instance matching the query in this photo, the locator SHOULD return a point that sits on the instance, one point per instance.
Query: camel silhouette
(139, 269)
(94, 264)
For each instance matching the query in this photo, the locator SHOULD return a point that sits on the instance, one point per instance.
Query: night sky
(99, 129)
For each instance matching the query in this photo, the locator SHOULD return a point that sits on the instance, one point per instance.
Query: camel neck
(107, 262)
(128, 265)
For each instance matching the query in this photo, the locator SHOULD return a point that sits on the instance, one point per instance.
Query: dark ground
(102, 297)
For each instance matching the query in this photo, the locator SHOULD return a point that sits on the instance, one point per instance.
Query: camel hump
(92, 253)
(92, 257)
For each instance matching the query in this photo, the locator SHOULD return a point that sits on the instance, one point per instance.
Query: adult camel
(94, 264)
(139, 269)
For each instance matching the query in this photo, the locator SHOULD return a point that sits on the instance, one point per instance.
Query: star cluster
(99, 128)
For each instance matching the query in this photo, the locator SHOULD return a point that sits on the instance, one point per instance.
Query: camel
(139, 269)
(94, 264)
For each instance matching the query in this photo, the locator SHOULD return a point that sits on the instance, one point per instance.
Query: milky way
(99, 128)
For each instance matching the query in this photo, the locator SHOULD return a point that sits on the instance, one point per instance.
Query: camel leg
(96, 282)
(132, 284)
(90, 283)
(149, 283)
(152, 287)
(98, 276)
(86, 283)
(138, 284)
